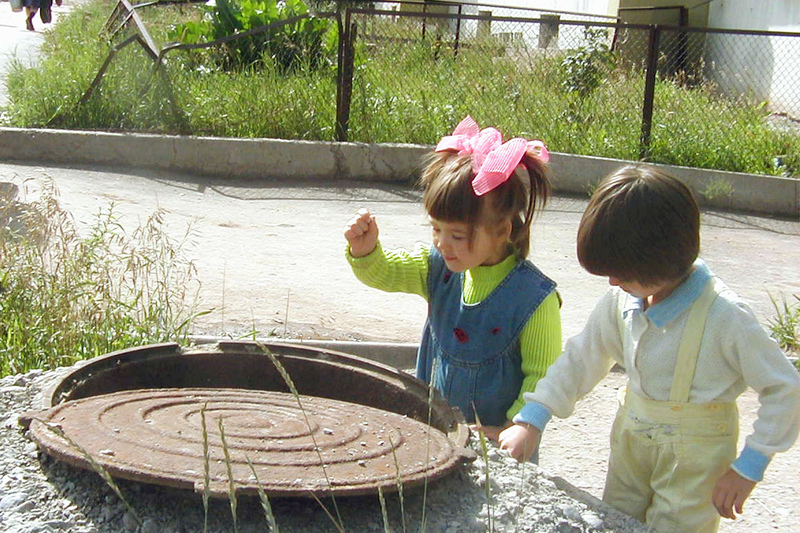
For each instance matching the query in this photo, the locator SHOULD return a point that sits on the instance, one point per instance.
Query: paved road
(265, 248)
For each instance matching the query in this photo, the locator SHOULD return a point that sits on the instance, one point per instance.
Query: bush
(307, 42)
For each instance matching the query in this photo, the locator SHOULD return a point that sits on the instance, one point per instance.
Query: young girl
(493, 324)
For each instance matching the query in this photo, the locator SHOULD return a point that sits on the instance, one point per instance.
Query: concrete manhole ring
(156, 436)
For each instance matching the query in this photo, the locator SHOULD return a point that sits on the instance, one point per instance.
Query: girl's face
(451, 239)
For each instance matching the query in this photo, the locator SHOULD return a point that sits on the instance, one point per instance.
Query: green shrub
(307, 42)
(585, 68)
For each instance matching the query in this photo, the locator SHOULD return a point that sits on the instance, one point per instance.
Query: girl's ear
(504, 230)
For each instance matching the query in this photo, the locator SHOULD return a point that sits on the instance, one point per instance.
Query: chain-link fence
(670, 94)
(410, 71)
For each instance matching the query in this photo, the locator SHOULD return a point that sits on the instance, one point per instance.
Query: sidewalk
(16, 42)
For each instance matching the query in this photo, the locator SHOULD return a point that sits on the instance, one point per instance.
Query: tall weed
(785, 325)
(66, 296)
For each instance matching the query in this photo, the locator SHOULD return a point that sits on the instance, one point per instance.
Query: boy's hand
(362, 233)
(730, 493)
(519, 440)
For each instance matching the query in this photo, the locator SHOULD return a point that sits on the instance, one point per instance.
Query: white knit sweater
(736, 352)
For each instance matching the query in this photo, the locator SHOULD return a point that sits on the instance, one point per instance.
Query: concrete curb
(755, 193)
(309, 160)
(216, 156)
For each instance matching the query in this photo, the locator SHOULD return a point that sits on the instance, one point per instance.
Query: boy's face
(651, 293)
(452, 241)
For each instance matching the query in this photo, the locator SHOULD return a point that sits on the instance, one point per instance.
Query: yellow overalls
(666, 457)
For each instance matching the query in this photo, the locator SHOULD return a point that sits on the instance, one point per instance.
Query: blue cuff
(751, 464)
(534, 414)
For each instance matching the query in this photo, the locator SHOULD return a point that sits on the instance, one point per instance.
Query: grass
(68, 296)
(785, 325)
(404, 90)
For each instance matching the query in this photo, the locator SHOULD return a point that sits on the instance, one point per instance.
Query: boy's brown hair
(448, 196)
(641, 225)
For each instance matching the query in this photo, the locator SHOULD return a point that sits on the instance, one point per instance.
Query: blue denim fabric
(476, 347)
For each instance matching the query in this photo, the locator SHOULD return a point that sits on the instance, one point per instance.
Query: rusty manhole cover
(156, 436)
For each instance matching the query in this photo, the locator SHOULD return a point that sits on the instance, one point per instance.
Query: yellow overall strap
(690, 343)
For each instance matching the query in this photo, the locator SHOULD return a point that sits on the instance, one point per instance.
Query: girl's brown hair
(641, 225)
(448, 196)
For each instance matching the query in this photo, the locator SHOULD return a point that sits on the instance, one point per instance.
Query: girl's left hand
(492, 432)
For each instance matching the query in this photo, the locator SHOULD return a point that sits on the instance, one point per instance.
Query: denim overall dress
(666, 456)
(471, 352)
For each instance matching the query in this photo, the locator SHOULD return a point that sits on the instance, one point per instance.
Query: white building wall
(775, 59)
(569, 36)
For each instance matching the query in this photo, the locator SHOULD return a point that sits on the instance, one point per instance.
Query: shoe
(29, 22)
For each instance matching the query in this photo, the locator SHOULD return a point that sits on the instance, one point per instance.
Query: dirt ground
(269, 257)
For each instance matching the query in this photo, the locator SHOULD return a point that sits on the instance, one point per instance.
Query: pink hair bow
(493, 161)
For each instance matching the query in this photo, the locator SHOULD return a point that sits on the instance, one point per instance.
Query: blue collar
(679, 301)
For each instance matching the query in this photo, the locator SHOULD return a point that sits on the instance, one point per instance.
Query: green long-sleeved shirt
(407, 271)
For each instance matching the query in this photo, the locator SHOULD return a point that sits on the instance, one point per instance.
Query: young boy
(690, 347)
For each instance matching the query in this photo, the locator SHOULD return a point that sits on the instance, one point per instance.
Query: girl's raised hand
(362, 233)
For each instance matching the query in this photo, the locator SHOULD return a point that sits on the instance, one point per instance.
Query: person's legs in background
(31, 7)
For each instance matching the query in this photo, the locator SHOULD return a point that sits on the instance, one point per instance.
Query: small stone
(130, 522)
(592, 520)
(150, 526)
(12, 500)
(570, 512)
(25, 506)
(565, 527)
(59, 524)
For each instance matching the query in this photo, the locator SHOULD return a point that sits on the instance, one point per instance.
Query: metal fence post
(458, 31)
(649, 90)
(344, 88)
(425, 19)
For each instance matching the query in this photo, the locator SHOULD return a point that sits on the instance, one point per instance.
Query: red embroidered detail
(461, 335)
(447, 276)
(495, 331)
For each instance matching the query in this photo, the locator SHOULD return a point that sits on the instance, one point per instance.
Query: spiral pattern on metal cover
(285, 444)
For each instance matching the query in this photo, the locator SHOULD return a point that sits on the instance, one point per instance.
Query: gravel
(42, 495)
